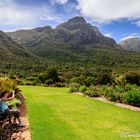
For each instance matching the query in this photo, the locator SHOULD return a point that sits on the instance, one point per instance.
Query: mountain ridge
(131, 43)
(72, 43)
(75, 31)
(10, 47)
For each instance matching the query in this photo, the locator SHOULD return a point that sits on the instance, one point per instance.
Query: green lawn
(56, 115)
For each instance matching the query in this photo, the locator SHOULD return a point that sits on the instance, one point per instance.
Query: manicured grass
(56, 115)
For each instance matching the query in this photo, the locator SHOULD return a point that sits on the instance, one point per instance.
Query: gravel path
(102, 99)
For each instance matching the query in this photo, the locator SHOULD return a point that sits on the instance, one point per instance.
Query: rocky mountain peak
(73, 23)
(77, 20)
(74, 31)
(41, 29)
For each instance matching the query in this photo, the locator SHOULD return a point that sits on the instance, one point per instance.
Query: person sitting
(5, 112)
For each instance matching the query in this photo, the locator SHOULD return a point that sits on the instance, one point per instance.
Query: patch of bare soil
(23, 133)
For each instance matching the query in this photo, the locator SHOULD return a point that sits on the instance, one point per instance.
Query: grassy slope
(56, 115)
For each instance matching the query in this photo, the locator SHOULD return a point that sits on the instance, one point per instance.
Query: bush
(59, 84)
(133, 78)
(7, 84)
(114, 95)
(93, 91)
(105, 76)
(119, 89)
(74, 87)
(80, 80)
(82, 89)
(49, 82)
(28, 83)
(133, 98)
(121, 81)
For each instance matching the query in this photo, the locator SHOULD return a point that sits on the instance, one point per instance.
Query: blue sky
(115, 18)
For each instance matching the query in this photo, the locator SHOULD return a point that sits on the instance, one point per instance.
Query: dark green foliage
(104, 76)
(74, 87)
(82, 89)
(133, 77)
(114, 95)
(52, 74)
(80, 79)
(49, 77)
(130, 95)
(133, 97)
(42, 77)
(93, 91)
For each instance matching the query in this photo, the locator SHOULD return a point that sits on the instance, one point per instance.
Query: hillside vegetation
(72, 46)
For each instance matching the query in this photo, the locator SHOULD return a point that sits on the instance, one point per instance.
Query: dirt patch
(24, 133)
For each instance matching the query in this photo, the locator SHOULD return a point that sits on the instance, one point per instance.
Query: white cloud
(129, 37)
(12, 14)
(58, 1)
(137, 23)
(62, 1)
(109, 10)
(47, 14)
(108, 34)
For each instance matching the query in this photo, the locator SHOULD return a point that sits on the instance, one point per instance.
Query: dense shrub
(28, 83)
(49, 77)
(114, 96)
(7, 84)
(80, 80)
(74, 87)
(105, 76)
(82, 89)
(133, 97)
(121, 81)
(93, 91)
(59, 84)
(133, 78)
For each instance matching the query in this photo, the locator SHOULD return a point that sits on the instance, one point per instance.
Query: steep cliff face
(66, 37)
(79, 31)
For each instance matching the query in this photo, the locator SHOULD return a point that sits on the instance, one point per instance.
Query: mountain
(78, 31)
(65, 38)
(12, 55)
(11, 48)
(75, 43)
(130, 43)
(28, 38)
